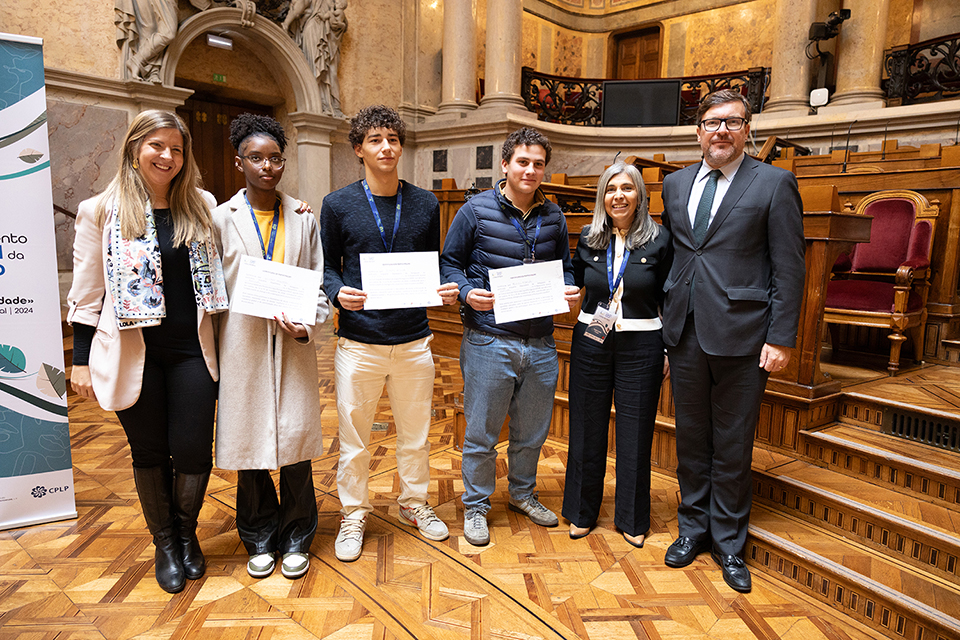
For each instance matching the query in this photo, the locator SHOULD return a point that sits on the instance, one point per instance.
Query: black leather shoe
(735, 572)
(682, 552)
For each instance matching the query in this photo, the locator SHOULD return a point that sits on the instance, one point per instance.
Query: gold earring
(136, 164)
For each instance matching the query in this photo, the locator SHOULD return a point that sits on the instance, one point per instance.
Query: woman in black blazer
(617, 355)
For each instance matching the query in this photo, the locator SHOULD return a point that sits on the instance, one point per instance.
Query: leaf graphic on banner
(30, 156)
(12, 359)
(51, 381)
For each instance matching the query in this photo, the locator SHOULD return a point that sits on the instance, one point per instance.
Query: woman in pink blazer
(146, 279)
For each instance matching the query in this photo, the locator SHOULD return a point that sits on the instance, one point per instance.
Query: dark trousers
(717, 401)
(266, 524)
(627, 368)
(172, 420)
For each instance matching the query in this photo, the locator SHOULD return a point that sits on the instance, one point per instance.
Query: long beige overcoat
(268, 413)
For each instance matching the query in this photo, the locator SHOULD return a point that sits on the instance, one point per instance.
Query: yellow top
(265, 222)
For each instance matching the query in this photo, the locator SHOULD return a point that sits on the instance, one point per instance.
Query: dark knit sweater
(347, 229)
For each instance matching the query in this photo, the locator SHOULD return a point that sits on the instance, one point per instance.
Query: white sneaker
(475, 529)
(294, 564)
(532, 508)
(349, 542)
(424, 519)
(261, 565)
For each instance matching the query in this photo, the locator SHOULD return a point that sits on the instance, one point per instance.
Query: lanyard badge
(267, 251)
(603, 318)
(376, 215)
(523, 234)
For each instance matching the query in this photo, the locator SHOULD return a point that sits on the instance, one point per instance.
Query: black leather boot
(189, 490)
(154, 486)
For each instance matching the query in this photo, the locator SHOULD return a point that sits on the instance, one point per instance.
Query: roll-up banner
(36, 475)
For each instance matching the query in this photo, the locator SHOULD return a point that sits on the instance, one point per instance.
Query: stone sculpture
(318, 26)
(146, 27)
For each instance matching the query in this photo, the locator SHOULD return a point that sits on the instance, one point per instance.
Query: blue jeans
(505, 376)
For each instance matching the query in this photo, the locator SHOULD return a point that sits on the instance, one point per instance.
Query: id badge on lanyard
(603, 318)
(602, 323)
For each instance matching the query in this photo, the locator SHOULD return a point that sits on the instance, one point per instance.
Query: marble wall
(84, 156)
(937, 19)
(77, 36)
(370, 60)
(726, 39)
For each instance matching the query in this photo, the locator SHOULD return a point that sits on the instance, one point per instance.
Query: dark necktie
(702, 219)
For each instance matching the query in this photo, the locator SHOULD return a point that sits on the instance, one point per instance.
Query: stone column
(790, 74)
(504, 42)
(860, 55)
(458, 91)
(313, 155)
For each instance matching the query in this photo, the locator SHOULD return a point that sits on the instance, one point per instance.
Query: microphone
(846, 155)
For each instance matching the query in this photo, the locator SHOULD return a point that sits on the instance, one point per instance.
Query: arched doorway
(292, 97)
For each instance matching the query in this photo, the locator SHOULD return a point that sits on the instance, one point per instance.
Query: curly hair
(376, 117)
(250, 124)
(525, 136)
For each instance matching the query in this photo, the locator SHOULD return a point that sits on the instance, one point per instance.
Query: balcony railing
(924, 72)
(579, 101)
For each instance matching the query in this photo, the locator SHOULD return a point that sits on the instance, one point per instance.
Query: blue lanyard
(267, 251)
(523, 234)
(615, 284)
(376, 215)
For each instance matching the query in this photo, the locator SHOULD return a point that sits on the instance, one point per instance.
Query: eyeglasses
(257, 161)
(713, 124)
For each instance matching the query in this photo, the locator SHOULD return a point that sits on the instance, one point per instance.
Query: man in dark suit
(729, 319)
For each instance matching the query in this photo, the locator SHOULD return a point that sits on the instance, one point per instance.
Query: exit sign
(219, 77)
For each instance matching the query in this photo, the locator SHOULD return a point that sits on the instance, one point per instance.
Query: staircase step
(924, 472)
(898, 601)
(922, 534)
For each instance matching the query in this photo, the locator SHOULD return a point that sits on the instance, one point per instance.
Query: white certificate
(400, 280)
(528, 291)
(266, 289)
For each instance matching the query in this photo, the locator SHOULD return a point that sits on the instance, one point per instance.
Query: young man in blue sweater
(380, 214)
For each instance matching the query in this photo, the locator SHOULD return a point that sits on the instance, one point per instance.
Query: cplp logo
(40, 491)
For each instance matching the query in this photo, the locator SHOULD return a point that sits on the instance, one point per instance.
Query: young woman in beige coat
(269, 411)
(146, 279)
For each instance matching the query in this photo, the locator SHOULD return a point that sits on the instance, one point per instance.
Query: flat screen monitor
(641, 103)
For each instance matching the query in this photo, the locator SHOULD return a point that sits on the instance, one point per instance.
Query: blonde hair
(643, 228)
(192, 220)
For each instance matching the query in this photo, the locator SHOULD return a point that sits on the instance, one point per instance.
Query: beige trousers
(408, 372)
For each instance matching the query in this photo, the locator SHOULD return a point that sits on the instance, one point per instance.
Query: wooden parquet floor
(93, 577)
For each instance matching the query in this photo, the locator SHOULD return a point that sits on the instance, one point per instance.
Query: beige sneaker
(423, 518)
(349, 544)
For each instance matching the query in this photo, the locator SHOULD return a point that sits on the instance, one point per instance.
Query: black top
(178, 330)
(348, 228)
(643, 278)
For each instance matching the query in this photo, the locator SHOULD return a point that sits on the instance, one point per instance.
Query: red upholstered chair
(884, 283)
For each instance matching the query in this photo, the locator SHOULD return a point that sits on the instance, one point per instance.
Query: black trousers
(717, 401)
(627, 369)
(266, 524)
(172, 420)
